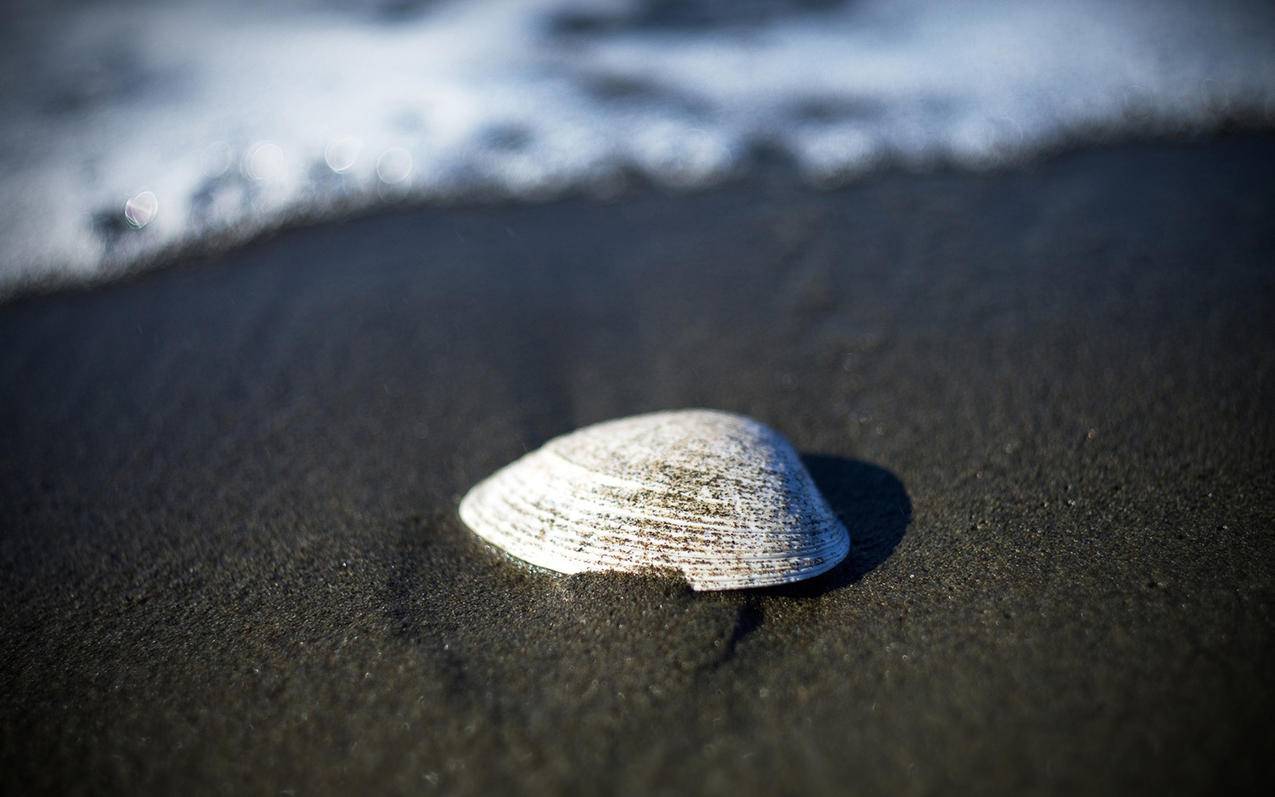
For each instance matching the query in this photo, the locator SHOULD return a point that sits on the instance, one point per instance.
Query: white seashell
(720, 497)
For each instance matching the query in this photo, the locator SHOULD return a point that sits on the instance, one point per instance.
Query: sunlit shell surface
(720, 497)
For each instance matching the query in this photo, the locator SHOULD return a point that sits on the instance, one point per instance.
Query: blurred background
(128, 128)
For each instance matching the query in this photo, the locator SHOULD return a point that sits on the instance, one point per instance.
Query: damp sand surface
(1040, 399)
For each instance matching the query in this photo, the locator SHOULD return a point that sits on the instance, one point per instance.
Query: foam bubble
(342, 153)
(265, 162)
(394, 166)
(141, 209)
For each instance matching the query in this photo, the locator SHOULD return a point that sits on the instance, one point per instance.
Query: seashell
(719, 497)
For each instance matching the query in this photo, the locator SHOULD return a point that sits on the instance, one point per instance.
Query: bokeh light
(141, 209)
(394, 166)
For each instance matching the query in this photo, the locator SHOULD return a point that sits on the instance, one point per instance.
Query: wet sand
(1042, 401)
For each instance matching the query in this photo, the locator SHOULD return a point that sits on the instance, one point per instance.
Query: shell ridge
(725, 500)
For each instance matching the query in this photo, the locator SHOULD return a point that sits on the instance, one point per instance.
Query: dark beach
(1041, 399)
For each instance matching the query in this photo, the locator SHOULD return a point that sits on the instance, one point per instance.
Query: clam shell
(719, 497)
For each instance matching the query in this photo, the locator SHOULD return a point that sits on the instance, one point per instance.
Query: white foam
(206, 119)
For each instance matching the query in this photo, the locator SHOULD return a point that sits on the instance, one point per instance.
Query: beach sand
(1041, 399)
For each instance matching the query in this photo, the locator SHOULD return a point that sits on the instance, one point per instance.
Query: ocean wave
(133, 128)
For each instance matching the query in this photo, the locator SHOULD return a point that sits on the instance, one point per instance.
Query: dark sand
(1042, 400)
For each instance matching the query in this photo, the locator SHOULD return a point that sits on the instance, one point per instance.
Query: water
(128, 128)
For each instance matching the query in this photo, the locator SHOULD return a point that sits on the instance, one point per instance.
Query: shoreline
(767, 170)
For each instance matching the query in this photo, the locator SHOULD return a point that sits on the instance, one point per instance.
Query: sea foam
(131, 128)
